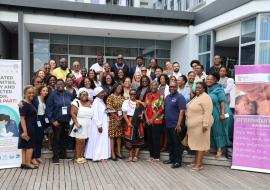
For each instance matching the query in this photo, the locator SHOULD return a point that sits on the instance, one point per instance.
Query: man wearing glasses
(120, 65)
(62, 71)
(175, 107)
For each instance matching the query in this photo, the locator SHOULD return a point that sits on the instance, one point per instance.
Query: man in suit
(137, 67)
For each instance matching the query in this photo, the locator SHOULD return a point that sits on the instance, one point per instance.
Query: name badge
(47, 120)
(64, 110)
(39, 124)
(119, 113)
(173, 99)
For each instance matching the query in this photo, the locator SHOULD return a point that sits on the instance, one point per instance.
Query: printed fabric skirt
(134, 136)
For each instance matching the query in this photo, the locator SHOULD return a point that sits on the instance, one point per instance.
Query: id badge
(47, 120)
(39, 124)
(64, 110)
(119, 113)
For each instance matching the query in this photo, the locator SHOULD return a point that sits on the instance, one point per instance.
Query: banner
(10, 95)
(251, 146)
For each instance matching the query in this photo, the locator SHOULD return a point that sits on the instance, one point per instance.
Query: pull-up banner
(251, 146)
(10, 95)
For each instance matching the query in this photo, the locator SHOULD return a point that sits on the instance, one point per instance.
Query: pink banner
(251, 146)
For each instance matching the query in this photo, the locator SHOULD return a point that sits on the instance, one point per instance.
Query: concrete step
(209, 159)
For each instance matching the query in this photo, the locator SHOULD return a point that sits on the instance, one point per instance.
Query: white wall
(228, 32)
(185, 49)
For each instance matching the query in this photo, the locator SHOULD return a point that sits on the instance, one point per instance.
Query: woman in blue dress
(223, 118)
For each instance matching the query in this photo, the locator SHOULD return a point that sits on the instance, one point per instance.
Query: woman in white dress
(81, 113)
(98, 146)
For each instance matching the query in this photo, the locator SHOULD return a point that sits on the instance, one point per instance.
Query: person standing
(144, 88)
(136, 68)
(223, 118)
(40, 104)
(27, 127)
(175, 125)
(182, 88)
(169, 69)
(200, 74)
(228, 85)
(152, 68)
(58, 111)
(106, 71)
(114, 102)
(76, 70)
(136, 80)
(126, 87)
(89, 86)
(53, 65)
(194, 63)
(120, 65)
(134, 132)
(163, 82)
(176, 69)
(98, 146)
(154, 107)
(107, 84)
(199, 120)
(81, 114)
(83, 76)
(217, 65)
(62, 71)
(190, 83)
(98, 66)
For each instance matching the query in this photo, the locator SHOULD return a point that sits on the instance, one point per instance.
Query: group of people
(111, 106)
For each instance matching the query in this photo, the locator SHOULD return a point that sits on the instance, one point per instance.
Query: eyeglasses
(39, 82)
(143, 70)
(132, 94)
(76, 65)
(172, 87)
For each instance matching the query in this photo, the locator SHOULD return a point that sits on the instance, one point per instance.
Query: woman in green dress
(223, 118)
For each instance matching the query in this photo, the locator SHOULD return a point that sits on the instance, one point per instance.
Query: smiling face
(52, 81)
(69, 82)
(108, 79)
(210, 80)
(63, 63)
(41, 74)
(29, 94)
(223, 72)
(191, 77)
(60, 86)
(107, 67)
(83, 96)
(44, 91)
(127, 83)
(120, 74)
(91, 75)
(87, 83)
(199, 89)
(176, 67)
(132, 94)
(137, 77)
(173, 88)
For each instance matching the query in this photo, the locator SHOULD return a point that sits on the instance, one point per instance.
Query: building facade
(177, 30)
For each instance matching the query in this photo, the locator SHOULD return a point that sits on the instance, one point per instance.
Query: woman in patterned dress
(114, 108)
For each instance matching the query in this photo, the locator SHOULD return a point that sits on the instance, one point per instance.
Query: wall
(4, 42)
(185, 49)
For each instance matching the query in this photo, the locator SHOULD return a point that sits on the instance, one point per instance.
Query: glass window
(59, 49)
(147, 53)
(126, 52)
(147, 44)
(248, 55)
(162, 53)
(248, 32)
(38, 36)
(40, 45)
(163, 44)
(161, 62)
(86, 40)
(265, 53)
(59, 39)
(39, 59)
(81, 60)
(265, 28)
(91, 50)
(205, 61)
(204, 43)
(122, 42)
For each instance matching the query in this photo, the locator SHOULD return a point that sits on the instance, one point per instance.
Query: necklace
(132, 104)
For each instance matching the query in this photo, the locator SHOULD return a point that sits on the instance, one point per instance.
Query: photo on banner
(251, 146)
(10, 95)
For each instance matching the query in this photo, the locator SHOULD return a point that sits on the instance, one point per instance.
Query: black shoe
(114, 159)
(167, 162)
(66, 158)
(176, 165)
(56, 161)
(121, 157)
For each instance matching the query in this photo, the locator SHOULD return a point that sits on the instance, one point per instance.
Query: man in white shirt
(200, 74)
(176, 70)
(98, 67)
(76, 70)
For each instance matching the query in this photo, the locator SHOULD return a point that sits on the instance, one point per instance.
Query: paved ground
(124, 175)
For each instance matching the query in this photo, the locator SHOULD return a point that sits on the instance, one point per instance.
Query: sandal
(196, 169)
(218, 155)
(29, 167)
(135, 159)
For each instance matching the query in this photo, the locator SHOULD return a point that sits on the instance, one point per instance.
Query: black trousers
(39, 132)
(174, 144)
(154, 132)
(60, 135)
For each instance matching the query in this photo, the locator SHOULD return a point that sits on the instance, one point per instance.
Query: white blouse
(129, 107)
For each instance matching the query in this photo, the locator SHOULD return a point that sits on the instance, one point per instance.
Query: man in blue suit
(137, 67)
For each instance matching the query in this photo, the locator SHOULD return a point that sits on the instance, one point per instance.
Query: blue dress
(220, 136)
(30, 113)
